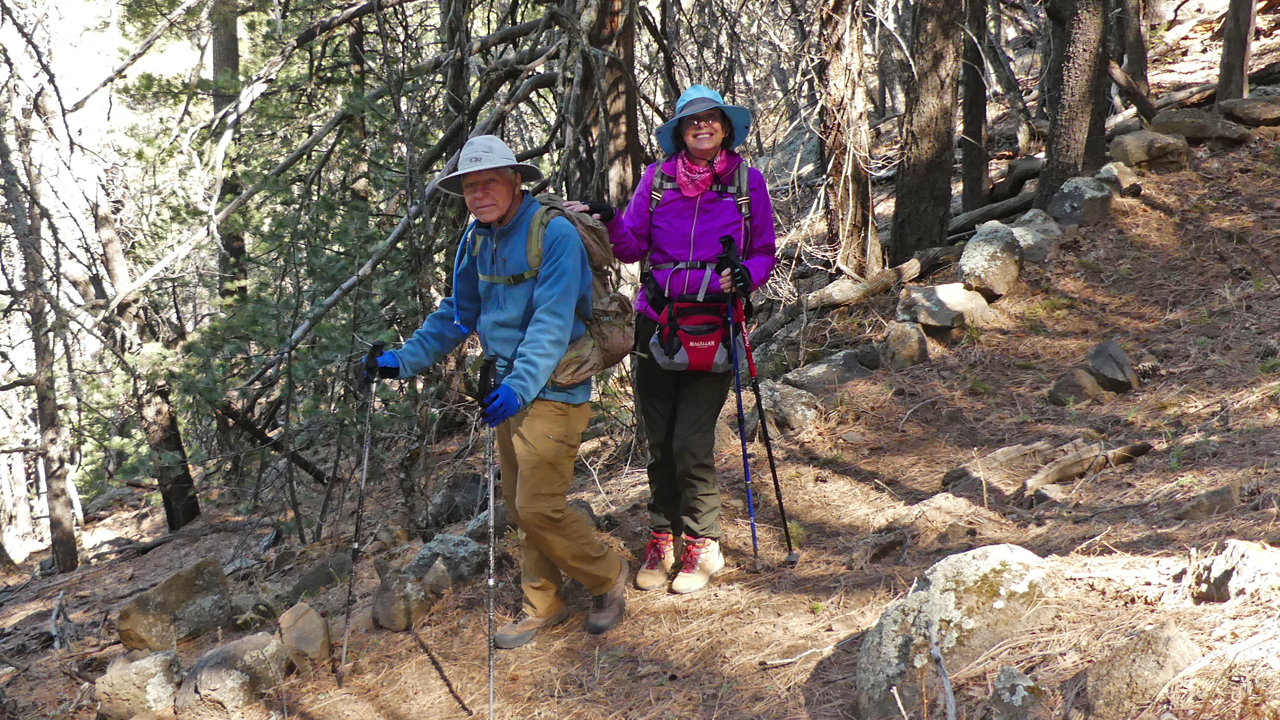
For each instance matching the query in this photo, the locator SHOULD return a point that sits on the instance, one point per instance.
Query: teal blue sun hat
(695, 100)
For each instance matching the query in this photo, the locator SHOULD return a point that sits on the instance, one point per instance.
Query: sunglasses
(709, 117)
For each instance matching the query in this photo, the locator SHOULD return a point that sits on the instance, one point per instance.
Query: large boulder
(992, 260)
(1141, 148)
(225, 682)
(1252, 111)
(1197, 125)
(464, 558)
(1038, 235)
(824, 379)
(188, 603)
(332, 570)
(790, 407)
(305, 634)
(1129, 678)
(1242, 568)
(138, 682)
(973, 600)
(904, 346)
(1110, 366)
(943, 307)
(1081, 201)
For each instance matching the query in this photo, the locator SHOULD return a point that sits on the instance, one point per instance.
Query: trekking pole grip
(371, 360)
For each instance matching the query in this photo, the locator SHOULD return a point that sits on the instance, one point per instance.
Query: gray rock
(136, 682)
(942, 306)
(457, 499)
(1243, 568)
(1135, 671)
(226, 681)
(789, 407)
(250, 610)
(1252, 111)
(305, 635)
(992, 260)
(478, 528)
(1140, 148)
(1074, 388)
(188, 603)
(975, 599)
(869, 356)
(1038, 235)
(401, 600)
(904, 346)
(1197, 125)
(824, 379)
(1081, 201)
(1218, 501)
(1119, 177)
(464, 558)
(1110, 366)
(332, 570)
(1015, 696)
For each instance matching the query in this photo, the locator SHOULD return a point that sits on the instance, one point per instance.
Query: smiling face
(491, 195)
(703, 133)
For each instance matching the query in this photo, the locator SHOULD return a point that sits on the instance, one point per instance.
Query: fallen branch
(935, 651)
(1130, 91)
(273, 443)
(1089, 458)
(995, 211)
(847, 291)
(1019, 172)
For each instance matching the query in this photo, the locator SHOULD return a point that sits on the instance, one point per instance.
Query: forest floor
(1186, 273)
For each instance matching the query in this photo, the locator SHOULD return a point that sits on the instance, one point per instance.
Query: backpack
(611, 328)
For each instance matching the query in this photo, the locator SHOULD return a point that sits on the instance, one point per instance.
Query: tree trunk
(928, 139)
(973, 139)
(224, 19)
(1071, 118)
(615, 33)
(1237, 46)
(1135, 45)
(846, 142)
(169, 458)
(895, 27)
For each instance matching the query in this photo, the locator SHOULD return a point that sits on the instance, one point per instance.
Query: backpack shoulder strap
(533, 248)
(742, 190)
(662, 182)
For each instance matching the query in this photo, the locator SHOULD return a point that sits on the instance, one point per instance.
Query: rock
(457, 499)
(942, 306)
(136, 682)
(1015, 696)
(478, 528)
(464, 558)
(992, 260)
(1050, 493)
(1038, 235)
(869, 356)
(1135, 671)
(1266, 134)
(400, 601)
(904, 346)
(1081, 201)
(975, 600)
(584, 509)
(226, 680)
(1214, 502)
(1110, 366)
(332, 570)
(305, 635)
(188, 603)
(788, 406)
(1074, 388)
(824, 379)
(1119, 178)
(1197, 125)
(1242, 568)
(1144, 146)
(283, 559)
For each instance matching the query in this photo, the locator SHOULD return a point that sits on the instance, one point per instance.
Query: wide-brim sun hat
(695, 100)
(486, 152)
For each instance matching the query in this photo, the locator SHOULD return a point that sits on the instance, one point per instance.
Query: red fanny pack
(693, 336)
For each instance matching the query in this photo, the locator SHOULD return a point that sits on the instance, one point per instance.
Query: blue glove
(388, 367)
(500, 405)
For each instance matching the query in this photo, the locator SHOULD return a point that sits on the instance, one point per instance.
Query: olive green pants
(536, 449)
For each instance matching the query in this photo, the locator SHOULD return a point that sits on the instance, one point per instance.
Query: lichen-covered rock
(332, 570)
(1110, 366)
(1197, 125)
(1135, 671)
(1121, 179)
(992, 260)
(225, 682)
(975, 600)
(789, 407)
(824, 379)
(1015, 696)
(1140, 148)
(251, 610)
(904, 346)
(478, 528)
(1038, 235)
(188, 603)
(1242, 568)
(946, 306)
(1075, 387)
(136, 682)
(1081, 201)
(305, 635)
(464, 558)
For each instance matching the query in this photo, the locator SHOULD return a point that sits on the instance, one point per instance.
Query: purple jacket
(684, 229)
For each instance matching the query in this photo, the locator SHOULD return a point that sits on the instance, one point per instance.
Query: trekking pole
(371, 372)
(793, 556)
(742, 436)
(487, 386)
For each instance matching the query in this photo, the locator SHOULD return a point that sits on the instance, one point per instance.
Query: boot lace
(655, 551)
(693, 550)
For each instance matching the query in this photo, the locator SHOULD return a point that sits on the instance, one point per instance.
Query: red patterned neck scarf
(695, 179)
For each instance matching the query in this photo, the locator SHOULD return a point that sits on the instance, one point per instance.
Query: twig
(787, 661)
(936, 651)
(53, 621)
(898, 699)
(917, 407)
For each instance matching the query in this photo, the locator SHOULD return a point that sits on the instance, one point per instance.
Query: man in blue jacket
(525, 321)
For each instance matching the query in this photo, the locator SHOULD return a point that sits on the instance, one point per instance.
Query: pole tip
(793, 557)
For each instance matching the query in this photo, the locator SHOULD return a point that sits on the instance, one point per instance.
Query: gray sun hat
(486, 152)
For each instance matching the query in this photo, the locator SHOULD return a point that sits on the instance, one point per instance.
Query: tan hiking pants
(537, 449)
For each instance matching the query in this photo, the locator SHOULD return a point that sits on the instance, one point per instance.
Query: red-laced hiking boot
(699, 562)
(659, 558)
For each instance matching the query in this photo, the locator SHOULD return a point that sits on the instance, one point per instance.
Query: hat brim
(452, 183)
(739, 118)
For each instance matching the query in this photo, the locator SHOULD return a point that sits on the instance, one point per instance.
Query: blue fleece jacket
(526, 327)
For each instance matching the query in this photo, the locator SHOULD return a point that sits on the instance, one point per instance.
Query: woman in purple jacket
(683, 206)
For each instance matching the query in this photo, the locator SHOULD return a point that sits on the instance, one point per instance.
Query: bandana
(695, 179)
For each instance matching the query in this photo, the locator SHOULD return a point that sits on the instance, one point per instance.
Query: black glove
(730, 261)
(603, 209)
(374, 366)
(741, 279)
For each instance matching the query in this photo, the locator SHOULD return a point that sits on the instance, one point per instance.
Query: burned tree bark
(1237, 46)
(1073, 111)
(618, 127)
(169, 458)
(973, 138)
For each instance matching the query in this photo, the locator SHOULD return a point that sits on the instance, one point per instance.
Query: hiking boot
(607, 609)
(519, 632)
(659, 558)
(700, 560)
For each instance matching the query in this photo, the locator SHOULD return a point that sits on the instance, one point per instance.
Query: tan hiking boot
(518, 632)
(608, 608)
(700, 560)
(659, 558)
